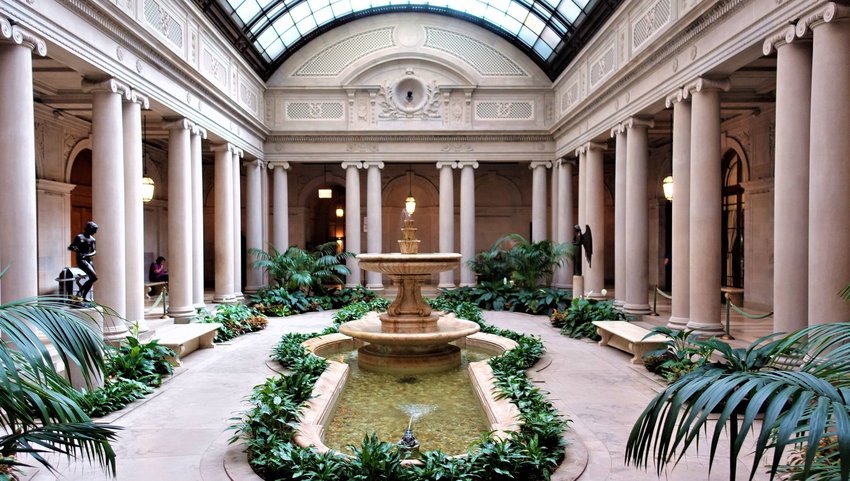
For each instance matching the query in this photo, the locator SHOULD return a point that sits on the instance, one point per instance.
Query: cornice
(338, 139)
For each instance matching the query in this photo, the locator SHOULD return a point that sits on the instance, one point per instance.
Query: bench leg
(639, 350)
(606, 336)
(206, 341)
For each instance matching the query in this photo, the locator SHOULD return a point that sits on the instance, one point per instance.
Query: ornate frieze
(331, 61)
(511, 110)
(314, 110)
(650, 22)
(409, 98)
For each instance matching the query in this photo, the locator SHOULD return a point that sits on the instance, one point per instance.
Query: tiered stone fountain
(409, 337)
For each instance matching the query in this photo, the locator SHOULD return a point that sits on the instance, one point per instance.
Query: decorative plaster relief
(650, 22)
(485, 59)
(125, 5)
(248, 97)
(214, 66)
(457, 147)
(193, 45)
(165, 22)
(331, 61)
(602, 65)
(314, 110)
(269, 111)
(571, 96)
(516, 110)
(409, 98)
(361, 147)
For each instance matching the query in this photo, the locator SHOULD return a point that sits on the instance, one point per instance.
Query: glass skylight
(274, 26)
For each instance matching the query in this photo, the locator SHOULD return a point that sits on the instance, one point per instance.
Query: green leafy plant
(40, 413)
(235, 319)
(683, 353)
(144, 362)
(307, 271)
(501, 296)
(115, 394)
(806, 408)
(527, 264)
(577, 320)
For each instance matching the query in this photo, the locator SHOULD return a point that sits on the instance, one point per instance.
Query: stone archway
(80, 174)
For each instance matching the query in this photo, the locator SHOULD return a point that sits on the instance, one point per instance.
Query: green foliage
(297, 269)
(281, 302)
(40, 413)
(143, 362)
(235, 319)
(527, 264)
(806, 408)
(577, 320)
(112, 396)
(267, 427)
(359, 309)
(499, 296)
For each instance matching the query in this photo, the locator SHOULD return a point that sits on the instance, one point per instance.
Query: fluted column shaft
(467, 220)
(637, 222)
(829, 169)
(18, 217)
(680, 252)
(180, 305)
(705, 208)
(352, 220)
(620, 234)
(198, 134)
(280, 206)
(134, 247)
(791, 182)
(223, 224)
(564, 274)
(538, 200)
(237, 223)
(108, 202)
(253, 222)
(447, 218)
(373, 213)
(594, 213)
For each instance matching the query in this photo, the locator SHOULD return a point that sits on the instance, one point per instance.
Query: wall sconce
(667, 186)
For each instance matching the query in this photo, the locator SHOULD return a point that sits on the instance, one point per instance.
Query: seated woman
(158, 272)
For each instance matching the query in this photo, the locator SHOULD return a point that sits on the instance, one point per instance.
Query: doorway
(81, 196)
(734, 209)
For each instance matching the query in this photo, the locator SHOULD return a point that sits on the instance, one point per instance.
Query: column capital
(617, 130)
(373, 163)
(226, 147)
(539, 163)
(826, 13)
(638, 122)
(177, 124)
(779, 38)
(253, 163)
(677, 96)
(198, 130)
(20, 36)
(703, 84)
(452, 164)
(238, 152)
(587, 147)
(467, 163)
(136, 97)
(352, 164)
(109, 85)
(279, 165)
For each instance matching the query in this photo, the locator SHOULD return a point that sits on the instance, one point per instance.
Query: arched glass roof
(274, 29)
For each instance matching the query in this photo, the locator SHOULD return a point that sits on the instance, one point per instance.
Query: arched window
(734, 173)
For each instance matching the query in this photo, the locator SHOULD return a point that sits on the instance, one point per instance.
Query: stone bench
(628, 337)
(186, 338)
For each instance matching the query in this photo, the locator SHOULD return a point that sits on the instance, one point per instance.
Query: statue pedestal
(578, 286)
(93, 317)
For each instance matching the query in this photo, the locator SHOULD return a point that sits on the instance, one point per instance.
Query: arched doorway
(734, 173)
(81, 196)
(327, 218)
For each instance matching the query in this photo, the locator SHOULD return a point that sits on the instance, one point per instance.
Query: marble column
(352, 220)
(680, 251)
(223, 224)
(553, 203)
(18, 217)
(180, 280)
(791, 179)
(637, 218)
(373, 215)
(108, 201)
(581, 220)
(467, 220)
(705, 253)
(564, 274)
(594, 213)
(134, 246)
(538, 200)
(198, 133)
(829, 168)
(253, 222)
(238, 259)
(447, 218)
(280, 206)
(620, 169)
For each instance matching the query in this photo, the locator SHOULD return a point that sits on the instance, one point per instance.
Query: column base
(637, 309)
(252, 289)
(597, 296)
(466, 284)
(619, 303)
(199, 305)
(351, 285)
(578, 286)
(375, 287)
(678, 323)
(181, 314)
(238, 295)
(224, 299)
(446, 285)
(706, 329)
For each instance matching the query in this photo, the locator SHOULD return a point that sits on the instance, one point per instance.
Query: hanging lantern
(326, 193)
(410, 205)
(667, 186)
(147, 189)
(340, 212)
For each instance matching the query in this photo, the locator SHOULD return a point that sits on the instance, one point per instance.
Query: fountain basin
(404, 264)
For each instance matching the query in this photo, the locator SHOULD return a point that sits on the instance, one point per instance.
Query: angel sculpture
(582, 240)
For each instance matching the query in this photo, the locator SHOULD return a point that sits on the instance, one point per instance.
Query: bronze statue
(85, 246)
(582, 240)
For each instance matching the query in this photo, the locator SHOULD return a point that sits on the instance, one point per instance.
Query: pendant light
(325, 192)
(410, 202)
(147, 183)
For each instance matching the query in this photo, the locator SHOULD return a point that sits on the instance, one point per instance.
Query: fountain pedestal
(409, 338)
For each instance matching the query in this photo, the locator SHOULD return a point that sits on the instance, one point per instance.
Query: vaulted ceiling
(267, 32)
